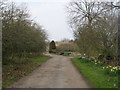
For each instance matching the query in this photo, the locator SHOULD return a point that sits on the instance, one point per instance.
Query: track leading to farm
(57, 72)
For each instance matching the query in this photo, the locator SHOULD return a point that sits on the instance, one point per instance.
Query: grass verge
(95, 75)
(20, 67)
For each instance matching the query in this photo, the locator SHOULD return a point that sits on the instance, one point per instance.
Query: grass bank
(95, 75)
(19, 67)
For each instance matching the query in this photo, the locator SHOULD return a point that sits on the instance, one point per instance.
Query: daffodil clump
(113, 70)
(92, 60)
(96, 62)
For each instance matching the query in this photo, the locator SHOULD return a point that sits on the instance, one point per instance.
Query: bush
(20, 35)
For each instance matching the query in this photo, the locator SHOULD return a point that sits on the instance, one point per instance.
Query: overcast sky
(52, 15)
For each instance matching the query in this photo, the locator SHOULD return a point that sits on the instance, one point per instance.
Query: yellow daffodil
(114, 67)
(107, 67)
(103, 67)
(110, 66)
(111, 70)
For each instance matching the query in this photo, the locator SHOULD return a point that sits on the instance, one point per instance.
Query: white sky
(52, 15)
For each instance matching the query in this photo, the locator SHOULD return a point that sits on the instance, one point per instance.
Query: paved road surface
(57, 72)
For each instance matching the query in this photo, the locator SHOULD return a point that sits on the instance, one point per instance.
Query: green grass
(95, 75)
(17, 68)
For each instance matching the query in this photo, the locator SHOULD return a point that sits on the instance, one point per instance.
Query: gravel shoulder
(57, 72)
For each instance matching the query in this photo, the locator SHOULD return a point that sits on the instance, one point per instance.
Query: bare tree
(95, 25)
(82, 12)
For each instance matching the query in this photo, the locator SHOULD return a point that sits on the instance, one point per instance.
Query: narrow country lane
(57, 72)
